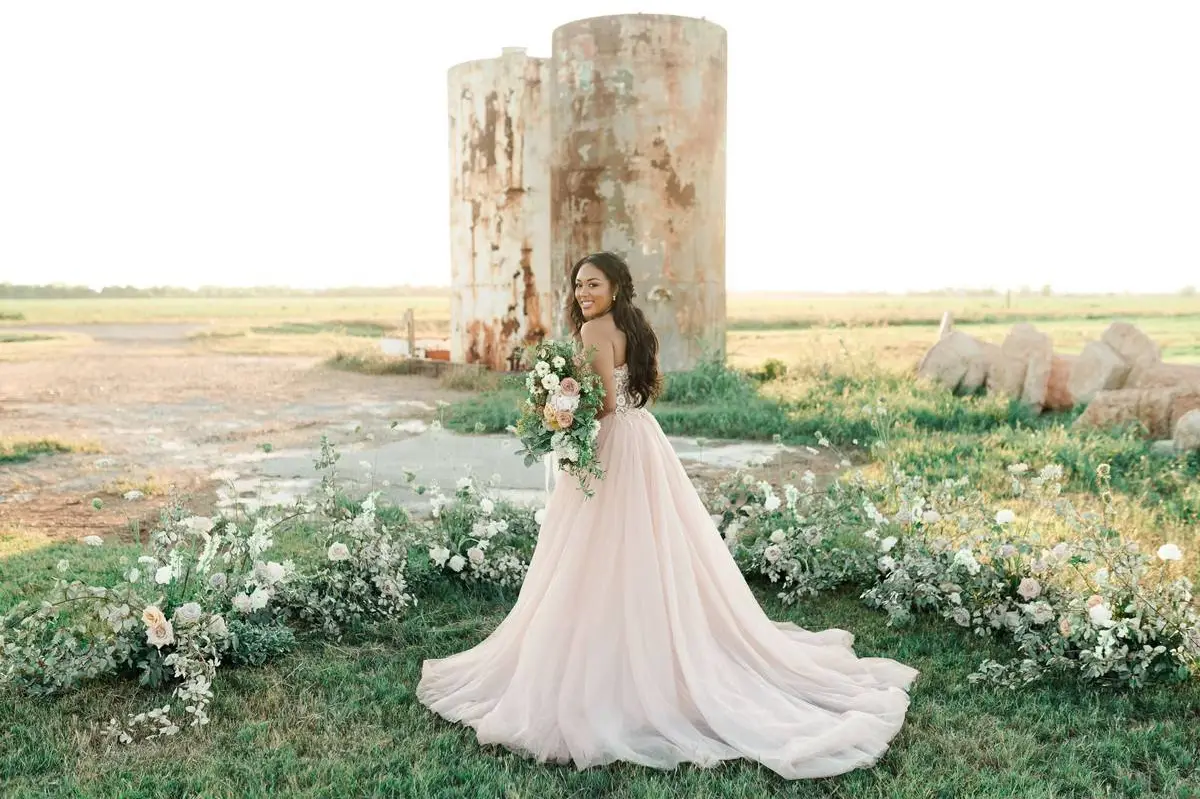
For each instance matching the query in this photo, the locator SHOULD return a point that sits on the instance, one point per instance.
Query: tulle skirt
(635, 637)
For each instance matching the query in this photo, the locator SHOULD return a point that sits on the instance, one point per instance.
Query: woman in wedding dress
(635, 637)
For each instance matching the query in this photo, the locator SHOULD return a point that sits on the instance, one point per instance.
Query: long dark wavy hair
(641, 343)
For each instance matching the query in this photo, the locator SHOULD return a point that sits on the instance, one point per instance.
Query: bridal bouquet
(559, 413)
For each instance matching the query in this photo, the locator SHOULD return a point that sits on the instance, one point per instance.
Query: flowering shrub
(559, 413)
(478, 538)
(205, 590)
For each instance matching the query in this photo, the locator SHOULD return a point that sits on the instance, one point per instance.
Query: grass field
(336, 719)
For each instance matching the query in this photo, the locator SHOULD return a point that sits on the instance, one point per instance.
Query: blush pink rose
(565, 419)
(569, 387)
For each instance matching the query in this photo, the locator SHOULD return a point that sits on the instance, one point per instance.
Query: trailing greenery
(22, 451)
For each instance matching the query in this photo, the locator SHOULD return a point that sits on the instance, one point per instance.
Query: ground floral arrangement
(208, 593)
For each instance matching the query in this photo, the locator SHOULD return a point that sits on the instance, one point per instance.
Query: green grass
(19, 338)
(20, 451)
(342, 720)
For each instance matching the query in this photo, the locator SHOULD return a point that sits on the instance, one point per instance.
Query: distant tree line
(13, 291)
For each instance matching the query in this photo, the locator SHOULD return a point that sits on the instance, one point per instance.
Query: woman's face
(593, 291)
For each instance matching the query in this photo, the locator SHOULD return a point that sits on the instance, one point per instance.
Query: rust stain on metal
(499, 205)
(638, 130)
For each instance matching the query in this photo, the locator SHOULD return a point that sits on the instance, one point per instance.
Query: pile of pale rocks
(1120, 379)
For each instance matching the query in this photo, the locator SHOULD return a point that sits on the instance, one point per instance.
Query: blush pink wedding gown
(636, 638)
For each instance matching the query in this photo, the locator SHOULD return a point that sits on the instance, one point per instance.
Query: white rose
(438, 555)
(886, 544)
(160, 634)
(457, 562)
(1041, 612)
(258, 599)
(1005, 517)
(541, 369)
(778, 537)
(772, 553)
(274, 572)
(188, 613)
(487, 506)
(242, 603)
(476, 555)
(1100, 615)
(152, 615)
(163, 575)
(217, 628)
(550, 382)
(1029, 588)
(1169, 552)
(338, 551)
(772, 503)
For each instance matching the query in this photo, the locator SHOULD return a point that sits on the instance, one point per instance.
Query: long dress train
(635, 637)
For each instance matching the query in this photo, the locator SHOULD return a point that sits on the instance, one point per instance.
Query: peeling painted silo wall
(637, 122)
(499, 207)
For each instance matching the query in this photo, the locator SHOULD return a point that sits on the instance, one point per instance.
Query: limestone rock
(1031, 347)
(1164, 375)
(956, 361)
(1185, 401)
(1058, 394)
(1134, 346)
(1150, 407)
(1099, 368)
(1187, 432)
(1006, 374)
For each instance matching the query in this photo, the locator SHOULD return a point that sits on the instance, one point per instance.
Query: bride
(635, 636)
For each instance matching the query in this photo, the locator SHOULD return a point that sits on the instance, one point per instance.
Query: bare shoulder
(598, 331)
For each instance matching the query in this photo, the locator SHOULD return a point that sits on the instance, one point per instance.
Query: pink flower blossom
(569, 387)
(565, 419)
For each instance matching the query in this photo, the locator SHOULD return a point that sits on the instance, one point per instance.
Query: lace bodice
(625, 402)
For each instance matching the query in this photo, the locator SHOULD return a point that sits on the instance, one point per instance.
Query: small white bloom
(93, 540)
(778, 537)
(198, 524)
(274, 572)
(163, 575)
(886, 544)
(772, 553)
(475, 554)
(188, 613)
(772, 503)
(558, 362)
(550, 382)
(1100, 615)
(1169, 552)
(1005, 517)
(338, 552)
(258, 599)
(887, 563)
(438, 555)
(457, 562)
(487, 506)
(871, 534)
(966, 558)
(541, 369)
(241, 602)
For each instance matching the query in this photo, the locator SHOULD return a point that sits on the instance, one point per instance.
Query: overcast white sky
(871, 145)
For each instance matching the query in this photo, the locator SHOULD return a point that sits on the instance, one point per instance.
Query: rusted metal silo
(638, 167)
(499, 207)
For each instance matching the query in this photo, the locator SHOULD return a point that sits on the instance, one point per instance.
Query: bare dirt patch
(164, 418)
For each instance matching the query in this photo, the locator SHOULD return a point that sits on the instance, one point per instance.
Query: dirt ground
(148, 413)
